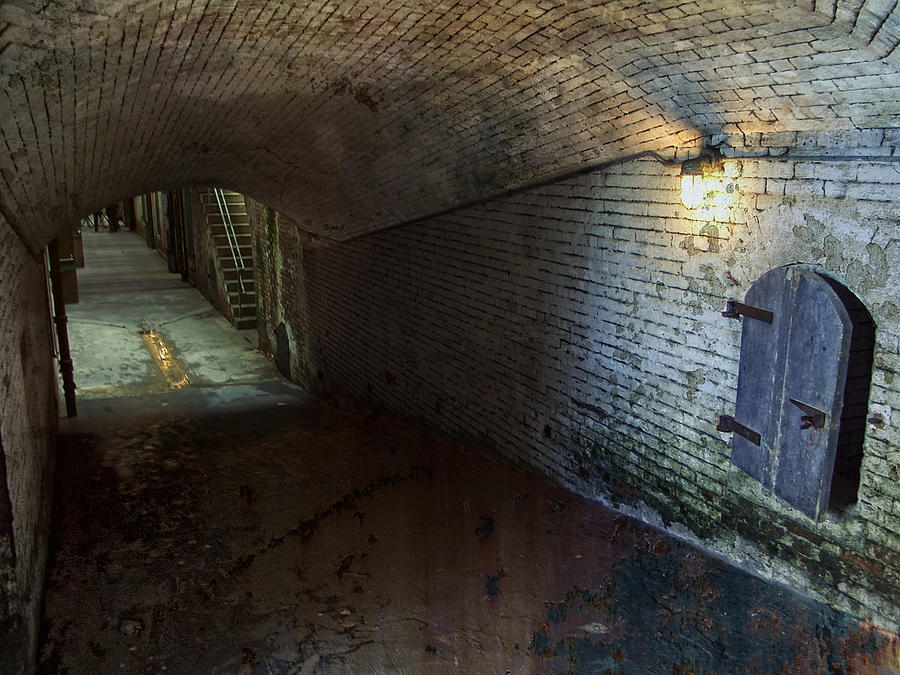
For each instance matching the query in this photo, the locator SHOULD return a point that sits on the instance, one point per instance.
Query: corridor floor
(125, 291)
(249, 528)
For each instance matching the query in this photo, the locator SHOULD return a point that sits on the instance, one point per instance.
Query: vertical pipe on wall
(130, 215)
(66, 367)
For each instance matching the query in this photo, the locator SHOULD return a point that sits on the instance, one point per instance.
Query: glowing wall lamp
(700, 176)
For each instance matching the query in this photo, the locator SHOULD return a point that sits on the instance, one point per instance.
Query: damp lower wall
(28, 422)
(576, 328)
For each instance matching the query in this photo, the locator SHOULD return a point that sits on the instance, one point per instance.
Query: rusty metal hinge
(67, 264)
(729, 424)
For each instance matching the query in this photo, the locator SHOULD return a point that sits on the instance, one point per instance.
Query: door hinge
(729, 424)
(734, 310)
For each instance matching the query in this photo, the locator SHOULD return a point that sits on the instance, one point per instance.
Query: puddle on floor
(165, 360)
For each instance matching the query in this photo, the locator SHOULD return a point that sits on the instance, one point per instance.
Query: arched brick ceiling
(354, 116)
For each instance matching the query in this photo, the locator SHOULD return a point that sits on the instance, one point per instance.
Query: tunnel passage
(284, 532)
(238, 516)
(140, 328)
(587, 303)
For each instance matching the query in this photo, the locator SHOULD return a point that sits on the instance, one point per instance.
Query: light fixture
(698, 177)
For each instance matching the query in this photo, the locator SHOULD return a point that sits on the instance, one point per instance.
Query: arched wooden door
(796, 344)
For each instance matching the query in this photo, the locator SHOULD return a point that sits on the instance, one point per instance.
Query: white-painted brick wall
(506, 322)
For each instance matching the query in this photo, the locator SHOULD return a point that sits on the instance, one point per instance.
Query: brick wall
(140, 224)
(576, 328)
(281, 291)
(351, 117)
(28, 414)
(374, 114)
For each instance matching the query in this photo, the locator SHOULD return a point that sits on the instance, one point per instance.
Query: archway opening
(848, 456)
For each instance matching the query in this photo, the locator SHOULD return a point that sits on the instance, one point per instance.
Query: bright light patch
(165, 360)
(707, 191)
(692, 191)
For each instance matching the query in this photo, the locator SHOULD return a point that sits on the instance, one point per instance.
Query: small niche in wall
(848, 456)
(282, 350)
(807, 348)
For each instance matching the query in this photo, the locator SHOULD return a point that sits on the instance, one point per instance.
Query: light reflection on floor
(165, 359)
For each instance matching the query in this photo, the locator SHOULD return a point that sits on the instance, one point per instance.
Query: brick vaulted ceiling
(351, 116)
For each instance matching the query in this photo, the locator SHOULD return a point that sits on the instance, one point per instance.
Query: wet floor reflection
(165, 359)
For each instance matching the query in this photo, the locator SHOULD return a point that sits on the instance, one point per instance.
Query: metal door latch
(812, 418)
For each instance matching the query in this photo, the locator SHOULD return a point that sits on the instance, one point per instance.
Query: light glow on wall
(714, 191)
(704, 183)
(692, 191)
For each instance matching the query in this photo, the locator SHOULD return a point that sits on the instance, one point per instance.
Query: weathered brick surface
(27, 439)
(281, 289)
(516, 321)
(349, 116)
(576, 328)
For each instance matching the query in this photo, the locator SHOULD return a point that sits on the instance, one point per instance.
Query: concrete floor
(125, 289)
(248, 528)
